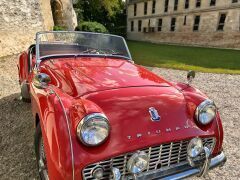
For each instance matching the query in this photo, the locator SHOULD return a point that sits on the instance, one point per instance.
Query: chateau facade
(189, 22)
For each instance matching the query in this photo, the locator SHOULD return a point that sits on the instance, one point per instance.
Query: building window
(132, 25)
(196, 23)
(185, 21)
(135, 9)
(145, 7)
(153, 7)
(160, 25)
(234, 1)
(173, 24)
(198, 3)
(239, 23)
(186, 4)
(151, 29)
(212, 2)
(166, 6)
(221, 22)
(175, 5)
(139, 26)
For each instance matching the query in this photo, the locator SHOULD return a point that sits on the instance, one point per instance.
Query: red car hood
(131, 125)
(77, 77)
(130, 108)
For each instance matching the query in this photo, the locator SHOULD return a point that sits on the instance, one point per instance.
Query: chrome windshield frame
(38, 58)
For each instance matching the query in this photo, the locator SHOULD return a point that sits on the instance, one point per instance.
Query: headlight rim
(131, 161)
(192, 142)
(201, 107)
(85, 120)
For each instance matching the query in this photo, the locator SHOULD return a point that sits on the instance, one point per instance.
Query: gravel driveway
(17, 160)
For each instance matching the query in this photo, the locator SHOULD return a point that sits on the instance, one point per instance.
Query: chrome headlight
(195, 147)
(93, 130)
(206, 112)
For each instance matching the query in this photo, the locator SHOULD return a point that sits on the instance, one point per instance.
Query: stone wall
(21, 19)
(207, 35)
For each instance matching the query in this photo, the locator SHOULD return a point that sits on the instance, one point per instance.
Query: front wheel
(40, 154)
(25, 95)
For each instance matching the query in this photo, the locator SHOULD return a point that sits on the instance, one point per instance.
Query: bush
(59, 28)
(91, 27)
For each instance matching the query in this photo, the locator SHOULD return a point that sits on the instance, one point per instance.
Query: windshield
(80, 43)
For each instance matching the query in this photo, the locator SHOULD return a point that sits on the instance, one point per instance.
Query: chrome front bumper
(182, 171)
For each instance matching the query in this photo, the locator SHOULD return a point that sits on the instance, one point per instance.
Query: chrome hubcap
(42, 163)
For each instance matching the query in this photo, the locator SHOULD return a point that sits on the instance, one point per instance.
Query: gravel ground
(17, 160)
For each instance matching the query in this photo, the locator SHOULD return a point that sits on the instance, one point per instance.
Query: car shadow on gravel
(17, 158)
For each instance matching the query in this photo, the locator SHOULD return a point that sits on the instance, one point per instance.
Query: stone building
(189, 22)
(21, 19)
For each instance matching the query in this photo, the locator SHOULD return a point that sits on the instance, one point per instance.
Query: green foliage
(90, 9)
(59, 28)
(111, 6)
(121, 31)
(186, 58)
(91, 27)
(110, 13)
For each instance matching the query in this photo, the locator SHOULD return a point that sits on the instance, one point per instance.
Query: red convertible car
(100, 116)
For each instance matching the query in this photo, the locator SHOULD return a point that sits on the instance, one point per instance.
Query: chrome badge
(154, 114)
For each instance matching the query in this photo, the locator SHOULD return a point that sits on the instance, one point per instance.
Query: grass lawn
(186, 58)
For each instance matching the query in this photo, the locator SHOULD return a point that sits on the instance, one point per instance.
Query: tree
(90, 9)
(110, 13)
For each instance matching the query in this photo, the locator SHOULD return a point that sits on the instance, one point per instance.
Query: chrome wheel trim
(42, 163)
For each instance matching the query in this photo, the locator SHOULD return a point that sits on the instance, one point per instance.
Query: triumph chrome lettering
(158, 131)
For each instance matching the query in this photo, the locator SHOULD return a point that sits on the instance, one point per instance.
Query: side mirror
(190, 76)
(41, 80)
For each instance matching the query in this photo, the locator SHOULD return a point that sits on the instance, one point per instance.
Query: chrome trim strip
(216, 161)
(85, 55)
(37, 51)
(217, 118)
(69, 133)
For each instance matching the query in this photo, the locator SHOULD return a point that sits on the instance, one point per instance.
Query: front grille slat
(164, 155)
(149, 156)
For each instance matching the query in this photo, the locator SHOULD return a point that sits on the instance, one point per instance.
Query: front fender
(193, 98)
(54, 123)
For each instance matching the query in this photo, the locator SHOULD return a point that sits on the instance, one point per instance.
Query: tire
(40, 154)
(26, 100)
(25, 95)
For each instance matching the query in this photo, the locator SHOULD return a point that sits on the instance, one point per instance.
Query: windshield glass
(80, 43)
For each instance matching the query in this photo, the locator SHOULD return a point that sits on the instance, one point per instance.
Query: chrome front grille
(164, 155)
